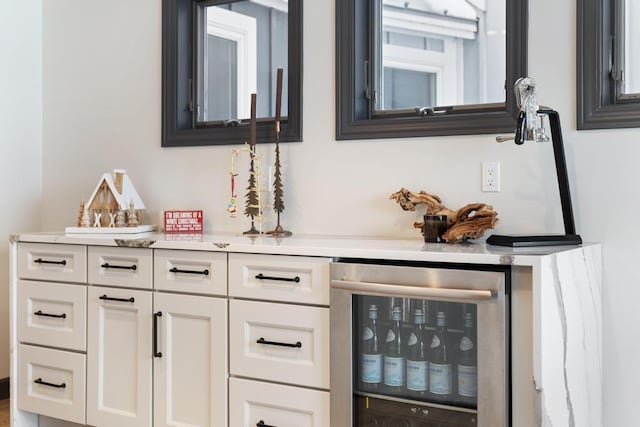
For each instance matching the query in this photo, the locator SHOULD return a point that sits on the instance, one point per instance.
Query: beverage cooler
(419, 345)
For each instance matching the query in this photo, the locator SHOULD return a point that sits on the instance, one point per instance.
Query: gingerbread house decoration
(114, 192)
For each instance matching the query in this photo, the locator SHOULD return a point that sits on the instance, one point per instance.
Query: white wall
(20, 137)
(102, 110)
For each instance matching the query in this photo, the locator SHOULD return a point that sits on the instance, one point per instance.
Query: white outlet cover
(490, 176)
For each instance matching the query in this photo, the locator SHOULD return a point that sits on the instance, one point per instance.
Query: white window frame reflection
(631, 76)
(242, 30)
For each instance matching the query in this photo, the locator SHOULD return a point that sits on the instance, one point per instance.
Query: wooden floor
(4, 413)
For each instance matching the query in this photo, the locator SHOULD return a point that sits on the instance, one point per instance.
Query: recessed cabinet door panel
(119, 358)
(279, 278)
(195, 272)
(126, 267)
(52, 314)
(52, 262)
(279, 342)
(253, 402)
(190, 375)
(51, 382)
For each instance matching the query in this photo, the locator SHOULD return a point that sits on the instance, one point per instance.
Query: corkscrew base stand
(279, 232)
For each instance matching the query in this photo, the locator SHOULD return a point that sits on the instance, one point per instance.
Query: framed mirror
(215, 54)
(428, 68)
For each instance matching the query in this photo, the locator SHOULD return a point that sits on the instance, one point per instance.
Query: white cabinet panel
(52, 314)
(119, 358)
(126, 267)
(52, 382)
(193, 272)
(253, 402)
(59, 263)
(190, 377)
(279, 278)
(279, 342)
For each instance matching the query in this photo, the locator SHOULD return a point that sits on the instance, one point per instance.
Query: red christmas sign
(183, 221)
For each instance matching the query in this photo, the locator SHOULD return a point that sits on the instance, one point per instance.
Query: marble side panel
(568, 335)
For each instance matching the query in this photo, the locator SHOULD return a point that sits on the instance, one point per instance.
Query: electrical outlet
(490, 176)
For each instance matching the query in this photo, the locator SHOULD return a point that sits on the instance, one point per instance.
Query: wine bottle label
(467, 381)
(465, 344)
(435, 342)
(367, 334)
(417, 375)
(371, 369)
(440, 378)
(412, 339)
(394, 371)
(390, 336)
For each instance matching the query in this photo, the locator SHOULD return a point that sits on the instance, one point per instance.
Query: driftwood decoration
(468, 222)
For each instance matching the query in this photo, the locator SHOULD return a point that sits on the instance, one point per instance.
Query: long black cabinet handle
(44, 261)
(121, 267)
(156, 316)
(106, 298)
(281, 279)
(176, 270)
(262, 424)
(298, 344)
(39, 381)
(58, 316)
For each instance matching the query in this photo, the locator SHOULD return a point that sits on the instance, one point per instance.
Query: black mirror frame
(350, 120)
(175, 136)
(597, 107)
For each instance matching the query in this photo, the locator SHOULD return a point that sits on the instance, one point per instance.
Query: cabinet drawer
(61, 263)
(279, 342)
(190, 271)
(52, 314)
(126, 267)
(276, 405)
(279, 278)
(52, 383)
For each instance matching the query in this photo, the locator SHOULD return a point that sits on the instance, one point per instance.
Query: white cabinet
(280, 342)
(52, 262)
(119, 358)
(126, 267)
(255, 403)
(194, 272)
(190, 367)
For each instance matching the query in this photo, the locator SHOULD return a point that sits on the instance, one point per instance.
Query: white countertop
(309, 245)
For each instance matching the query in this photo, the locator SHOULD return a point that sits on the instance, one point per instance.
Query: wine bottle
(467, 362)
(440, 369)
(394, 361)
(417, 363)
(371, 357)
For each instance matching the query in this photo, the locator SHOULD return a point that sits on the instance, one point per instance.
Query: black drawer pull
(121, 267)
(156, 316)
(44, 261)
(203, 272)
(106, 298)
(281, 344)
(262, 424)
(281, 279)
(58, 316)
(39, 381)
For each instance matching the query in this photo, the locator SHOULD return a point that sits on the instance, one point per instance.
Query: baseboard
(4, 388)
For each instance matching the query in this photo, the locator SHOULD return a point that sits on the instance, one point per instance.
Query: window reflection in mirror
(240, 47)
(631, 76)
(440, 53)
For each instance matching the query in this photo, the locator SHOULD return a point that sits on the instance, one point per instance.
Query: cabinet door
(190, 368)
(119, 358)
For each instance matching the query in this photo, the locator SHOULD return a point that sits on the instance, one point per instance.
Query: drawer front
(52, 314)
(279, 342)
(190, 271)
(276, 405)
(60, 263)
(279, 278)
(52, 383)
(126, 267)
